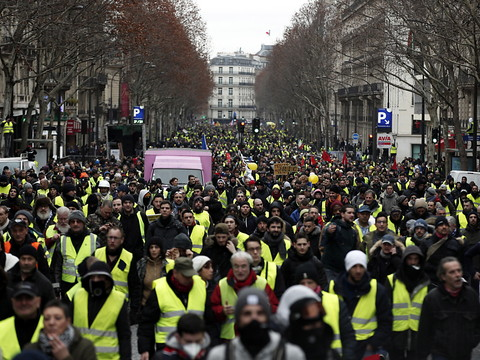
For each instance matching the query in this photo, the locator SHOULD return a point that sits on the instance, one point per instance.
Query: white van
(471, 176)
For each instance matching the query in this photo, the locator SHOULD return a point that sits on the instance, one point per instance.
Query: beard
(44, 215)
(63, 228)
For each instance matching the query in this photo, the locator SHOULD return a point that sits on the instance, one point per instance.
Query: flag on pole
(313, 162)
(345, 160)
(268, 32)
(326, 156)
(395, 166)
(300, 144)
(204, 143)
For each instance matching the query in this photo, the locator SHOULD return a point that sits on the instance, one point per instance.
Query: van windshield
(181, 174)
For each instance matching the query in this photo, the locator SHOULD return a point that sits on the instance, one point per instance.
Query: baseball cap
(388, 239)
(18, 222)
(364, 208)
(25, 288)
(441, 220)
(184, 266)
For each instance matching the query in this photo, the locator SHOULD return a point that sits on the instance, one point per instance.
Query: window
(230, 102)
(230, 70)
(220, 90)
(220, 103)
(230, 91)
(230, 80)
(220, 70)
(230, 114)
(219, 115)
(220, 80)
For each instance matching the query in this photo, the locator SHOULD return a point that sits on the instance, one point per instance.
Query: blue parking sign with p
(138, 114)
(384, 119)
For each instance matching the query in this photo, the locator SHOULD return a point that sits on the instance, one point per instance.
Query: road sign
(138, 114)
(355, 136)
(470, 137)
(384, 119)
(384, 141)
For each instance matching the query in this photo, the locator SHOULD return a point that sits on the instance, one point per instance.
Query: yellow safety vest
(476, 201)
(459, 206)
(197, 236)
(391, 226)
(120, 277)
(102, 332)
(9, 345)
(462, 220)
(331, 304)
(364, 321)
(203, 218)
(228, 295)
(269, 272)
(409, 242)
(71, 259)
(5, 189)
(223, 199)
(8, 127)
(406, 309)
(393, 150)
(267, 255)
(42, 193)
(140, 224)
(150, 212)
(172, 308)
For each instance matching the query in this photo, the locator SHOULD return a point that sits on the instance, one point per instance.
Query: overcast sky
(235, 24)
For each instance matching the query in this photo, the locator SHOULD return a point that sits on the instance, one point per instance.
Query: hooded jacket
(219, 255)
(294, 260)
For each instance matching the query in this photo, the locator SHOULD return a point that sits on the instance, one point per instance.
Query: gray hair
(63, 210)
(451, 220)
(242, 255)
(107, 203)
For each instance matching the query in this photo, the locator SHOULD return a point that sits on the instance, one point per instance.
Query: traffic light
(241, 126)
(370, 138)
(256, 125)
(435, 135)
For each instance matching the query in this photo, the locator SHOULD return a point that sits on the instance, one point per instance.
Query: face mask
(192, 349)
(254, 334)
(97, 288)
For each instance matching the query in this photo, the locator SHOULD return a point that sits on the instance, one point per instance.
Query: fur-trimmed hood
(210, 240)
(398, 244)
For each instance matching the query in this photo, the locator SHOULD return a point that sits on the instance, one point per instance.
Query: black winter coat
(294, 260)
(449, 326)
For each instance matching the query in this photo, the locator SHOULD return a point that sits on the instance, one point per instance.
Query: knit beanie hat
(209, 188)
(26, 213)
(420, 223)
(307, 271)
(199, 262)
(355, 257)
(128, 198)
(77, 215)
(251, 296)
(420, 203)
(221, 228)
(28, 250)
(182, 241)
(67, 187)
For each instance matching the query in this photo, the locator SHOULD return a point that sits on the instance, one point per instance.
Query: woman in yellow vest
(407, 289)
(59, 339)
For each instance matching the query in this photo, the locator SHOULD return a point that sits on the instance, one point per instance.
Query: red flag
(394, 166)
(345, 160)
(302, 163)
(228, 157)
(326, 156)
(313, 162)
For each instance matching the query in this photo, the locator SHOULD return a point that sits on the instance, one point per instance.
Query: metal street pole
(422, 149)
(475, 122)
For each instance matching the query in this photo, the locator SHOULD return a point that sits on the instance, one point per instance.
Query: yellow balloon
(252, 166)
(313, 178)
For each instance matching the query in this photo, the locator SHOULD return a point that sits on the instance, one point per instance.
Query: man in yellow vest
(101, 314)
(7, 125)
(122, 268)
(135, 225)
(181, 291)
(77, 244)
(266, 269)
(367, 304)
(224, 297)
(196, 232)
(24, 327)
(407, 288)
(276, 240)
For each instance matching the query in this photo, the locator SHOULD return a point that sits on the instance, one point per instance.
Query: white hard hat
(104, 184)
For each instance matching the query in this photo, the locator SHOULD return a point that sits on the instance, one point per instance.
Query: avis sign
(384, 119)
(384, 141)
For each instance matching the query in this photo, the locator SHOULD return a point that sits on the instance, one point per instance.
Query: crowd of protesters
(341, 259)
